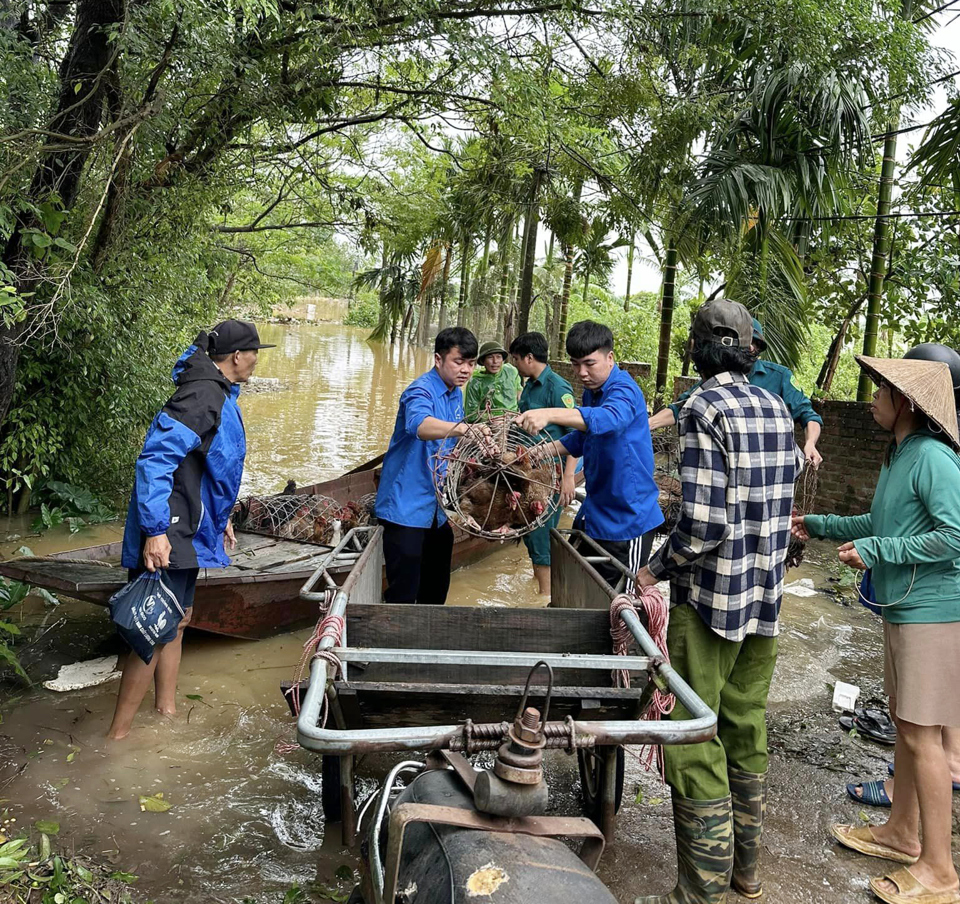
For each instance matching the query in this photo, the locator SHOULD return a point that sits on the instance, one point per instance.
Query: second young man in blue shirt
(610, 432)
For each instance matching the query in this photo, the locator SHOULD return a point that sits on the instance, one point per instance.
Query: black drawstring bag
(146, 612)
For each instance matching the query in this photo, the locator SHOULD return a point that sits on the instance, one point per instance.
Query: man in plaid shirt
(725, 563)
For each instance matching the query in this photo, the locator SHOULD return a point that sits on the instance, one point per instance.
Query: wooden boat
(258, 595)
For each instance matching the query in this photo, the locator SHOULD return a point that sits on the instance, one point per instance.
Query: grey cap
(717, 319)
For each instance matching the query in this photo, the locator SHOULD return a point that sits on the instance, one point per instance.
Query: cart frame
(569, 734)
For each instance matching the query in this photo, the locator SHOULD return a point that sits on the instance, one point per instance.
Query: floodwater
(245, 819)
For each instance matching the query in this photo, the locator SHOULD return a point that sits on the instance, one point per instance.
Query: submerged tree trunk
(529, 251)
(666, 320)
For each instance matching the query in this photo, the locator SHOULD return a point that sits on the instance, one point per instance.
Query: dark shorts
(182, 582)
(631, 553)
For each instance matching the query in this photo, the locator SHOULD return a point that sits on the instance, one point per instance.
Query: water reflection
(338, 410)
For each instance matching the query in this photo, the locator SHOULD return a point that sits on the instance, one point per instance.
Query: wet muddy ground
(245, 819)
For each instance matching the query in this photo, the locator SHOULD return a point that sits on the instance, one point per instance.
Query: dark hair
(712, 358)
(587, 337)
(219, 359)
(531, 344)
(456, 337)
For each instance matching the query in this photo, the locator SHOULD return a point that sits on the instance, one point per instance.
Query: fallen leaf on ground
(155, 803)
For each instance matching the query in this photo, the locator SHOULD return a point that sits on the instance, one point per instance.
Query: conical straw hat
(926, 384)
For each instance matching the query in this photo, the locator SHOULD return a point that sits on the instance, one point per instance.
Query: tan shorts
(921, 669)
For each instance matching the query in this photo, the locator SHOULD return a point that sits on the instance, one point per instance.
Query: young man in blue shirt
(417, 538)
(610, 432)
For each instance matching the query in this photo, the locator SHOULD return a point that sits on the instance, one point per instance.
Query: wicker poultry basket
(509, 461)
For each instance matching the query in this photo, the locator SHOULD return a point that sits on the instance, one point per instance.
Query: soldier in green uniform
(543, 389)
(496, 385)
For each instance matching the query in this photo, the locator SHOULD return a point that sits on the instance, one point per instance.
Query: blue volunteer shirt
(622, 498)
(406, 494)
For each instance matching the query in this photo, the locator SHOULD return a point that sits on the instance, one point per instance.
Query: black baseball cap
(716, 320)
(235, 336)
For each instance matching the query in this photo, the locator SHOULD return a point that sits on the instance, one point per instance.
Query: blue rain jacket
(188, 474)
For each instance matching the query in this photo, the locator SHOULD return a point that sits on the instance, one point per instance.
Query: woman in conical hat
(910, 541)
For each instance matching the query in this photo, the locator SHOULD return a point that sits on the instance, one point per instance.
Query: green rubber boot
(704, 830)
(749, 794)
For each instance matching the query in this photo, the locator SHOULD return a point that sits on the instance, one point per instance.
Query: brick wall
(682, 384)
(639, 372)
(853, 447)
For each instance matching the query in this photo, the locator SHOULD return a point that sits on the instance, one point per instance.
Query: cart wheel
(330, 789)
(590, 761)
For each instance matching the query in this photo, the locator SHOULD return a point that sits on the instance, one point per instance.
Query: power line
(900, 215)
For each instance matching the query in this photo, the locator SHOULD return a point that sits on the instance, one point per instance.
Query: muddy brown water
(245, 820)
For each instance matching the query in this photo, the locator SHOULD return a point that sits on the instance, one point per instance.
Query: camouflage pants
(733, 679)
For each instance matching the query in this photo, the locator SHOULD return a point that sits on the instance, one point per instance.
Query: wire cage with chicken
(498, 481)
(666, 475)
(308, 518)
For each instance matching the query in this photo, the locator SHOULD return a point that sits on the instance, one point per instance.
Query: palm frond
(938, 157)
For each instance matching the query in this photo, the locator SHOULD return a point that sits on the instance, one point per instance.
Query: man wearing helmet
(774, 378)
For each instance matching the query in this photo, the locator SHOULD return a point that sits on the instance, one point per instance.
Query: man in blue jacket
(774, 378)
(610, 432)
(417, 538)
(187, 480)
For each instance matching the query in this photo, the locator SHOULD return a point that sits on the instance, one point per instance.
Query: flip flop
(873, 794)
(861, 840)
(871, 723)
(956, 785)
(910, 890)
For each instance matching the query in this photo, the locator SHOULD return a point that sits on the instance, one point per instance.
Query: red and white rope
(329, 626)
(657, 611)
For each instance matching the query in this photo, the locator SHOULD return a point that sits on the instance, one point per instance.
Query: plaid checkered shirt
(738, 465)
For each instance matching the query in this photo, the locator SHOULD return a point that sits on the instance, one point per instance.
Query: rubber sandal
(876, 725)
(873, 794)
(871, 723)
(910, 890)
(956, 785)
(861, 840)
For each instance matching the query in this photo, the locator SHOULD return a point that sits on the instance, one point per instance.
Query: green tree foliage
(162, 164)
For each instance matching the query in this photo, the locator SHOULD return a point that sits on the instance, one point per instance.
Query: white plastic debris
(803, 587)
(845, 697)
(78, 675)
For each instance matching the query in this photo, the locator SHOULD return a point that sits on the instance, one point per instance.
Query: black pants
(418, 563)
(632, 553)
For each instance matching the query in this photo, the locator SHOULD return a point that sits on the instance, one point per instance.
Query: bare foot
(928, 878)
(118, 734)
(891, 837)
(887, 787)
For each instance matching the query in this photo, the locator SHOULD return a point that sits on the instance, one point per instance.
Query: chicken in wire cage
(310, 518)
(498, 481)
(666, 456)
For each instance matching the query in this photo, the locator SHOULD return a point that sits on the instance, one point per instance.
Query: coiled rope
(657, 611)
(331, 626)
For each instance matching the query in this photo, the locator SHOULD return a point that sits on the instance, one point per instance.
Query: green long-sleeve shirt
(910, 540)
(501, 390)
